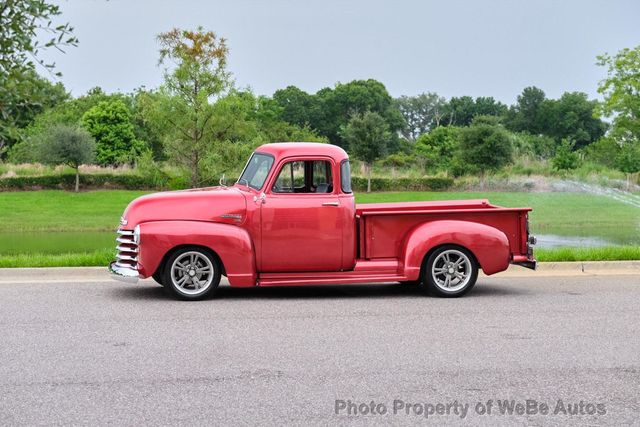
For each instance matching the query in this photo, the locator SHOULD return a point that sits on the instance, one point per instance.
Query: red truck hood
(202, 204)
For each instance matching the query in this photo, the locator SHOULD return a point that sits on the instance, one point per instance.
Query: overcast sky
(479, 48)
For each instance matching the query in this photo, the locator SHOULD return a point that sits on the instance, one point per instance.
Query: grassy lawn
(52, 210)
(57, 228)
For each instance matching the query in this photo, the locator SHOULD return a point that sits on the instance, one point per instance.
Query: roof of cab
(289, 149)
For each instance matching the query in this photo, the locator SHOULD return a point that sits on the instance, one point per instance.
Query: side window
(345, 176)
(291, 176)
(308, 176)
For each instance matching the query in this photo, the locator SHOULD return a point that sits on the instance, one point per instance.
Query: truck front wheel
(450, 271)
(192, 273)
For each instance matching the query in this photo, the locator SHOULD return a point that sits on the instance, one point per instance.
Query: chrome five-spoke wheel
(192, 273)
(450, 271)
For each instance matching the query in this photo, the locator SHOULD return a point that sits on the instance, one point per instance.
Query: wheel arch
(488, 245)
(163, 261)
(231, 245)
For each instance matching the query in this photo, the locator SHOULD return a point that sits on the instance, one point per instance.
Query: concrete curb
(578, 268)
(100, 274)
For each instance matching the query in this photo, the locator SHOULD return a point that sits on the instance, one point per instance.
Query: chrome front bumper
(124, 274)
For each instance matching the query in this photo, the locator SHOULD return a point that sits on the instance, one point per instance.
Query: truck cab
(291, 219)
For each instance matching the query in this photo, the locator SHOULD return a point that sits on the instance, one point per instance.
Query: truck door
(301, 225)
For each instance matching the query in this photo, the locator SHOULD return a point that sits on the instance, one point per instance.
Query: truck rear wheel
(450, 271)
(192, 273)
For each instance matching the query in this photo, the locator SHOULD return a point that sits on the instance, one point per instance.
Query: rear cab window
(345, 176)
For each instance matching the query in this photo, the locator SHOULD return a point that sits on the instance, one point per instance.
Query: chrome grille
(127, 250)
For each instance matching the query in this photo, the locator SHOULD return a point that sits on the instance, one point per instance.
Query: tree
(628, 160)
(335, 107)
(421, 113)
(71, 146)
(199, 75)
(109, 122)
(525, 115)
(297, 105)
(573, 116)
(21, 22)
(565, 158)
(461, 111)
(367, 136)
(485, 145)
(68, 112)
(439, 146)
(621, 92)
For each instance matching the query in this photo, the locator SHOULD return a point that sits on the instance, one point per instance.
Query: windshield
(256, 171)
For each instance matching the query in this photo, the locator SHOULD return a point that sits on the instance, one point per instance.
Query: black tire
(185, 270)
(157, 276)
(453, 262)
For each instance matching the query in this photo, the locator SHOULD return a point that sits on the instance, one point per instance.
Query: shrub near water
(67, 181)
(402, 184)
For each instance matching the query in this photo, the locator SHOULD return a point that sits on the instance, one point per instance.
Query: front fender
(231, 243)
(489, 245)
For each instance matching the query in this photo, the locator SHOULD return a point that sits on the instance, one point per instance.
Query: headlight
(136, 235)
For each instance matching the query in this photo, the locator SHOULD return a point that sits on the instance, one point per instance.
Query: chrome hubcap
(451, 270)
(192, 273)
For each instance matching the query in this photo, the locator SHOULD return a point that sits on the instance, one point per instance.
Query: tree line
(199, 121)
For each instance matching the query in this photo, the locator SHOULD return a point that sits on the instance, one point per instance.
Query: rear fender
(489, 245)
(232, 244)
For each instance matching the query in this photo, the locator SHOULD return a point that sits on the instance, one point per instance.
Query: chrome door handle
(331, 204)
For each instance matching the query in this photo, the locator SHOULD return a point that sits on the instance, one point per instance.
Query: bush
(485, 145)
(427, 183)
(437, 147)
(604, 151)
(527, 145)
(151, 172)
(565, 158)
(66, 181)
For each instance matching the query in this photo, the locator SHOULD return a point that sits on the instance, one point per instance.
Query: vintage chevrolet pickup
(291, 219)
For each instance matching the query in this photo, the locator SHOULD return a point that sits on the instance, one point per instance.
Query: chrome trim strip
(124, 274)
(125, 249)
(125, 232)
(123, 240)
(126, 258)
(231, 216)
(124, 264)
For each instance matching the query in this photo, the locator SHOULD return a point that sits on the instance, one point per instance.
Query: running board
(378, 271)
(269, 280)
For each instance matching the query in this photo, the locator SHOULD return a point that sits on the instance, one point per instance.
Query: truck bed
(382, 226)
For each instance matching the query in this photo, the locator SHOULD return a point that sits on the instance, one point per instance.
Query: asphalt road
(112, 353)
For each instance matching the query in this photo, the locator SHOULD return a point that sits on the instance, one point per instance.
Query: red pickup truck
(291, 219)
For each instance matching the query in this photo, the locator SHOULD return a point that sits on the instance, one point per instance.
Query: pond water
(554, 241)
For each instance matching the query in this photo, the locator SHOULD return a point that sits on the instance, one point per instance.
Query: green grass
(53, 210)
(29, 220)
(97, 258)
(607, 253)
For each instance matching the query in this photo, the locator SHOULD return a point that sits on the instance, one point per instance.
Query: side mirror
(223, 181)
